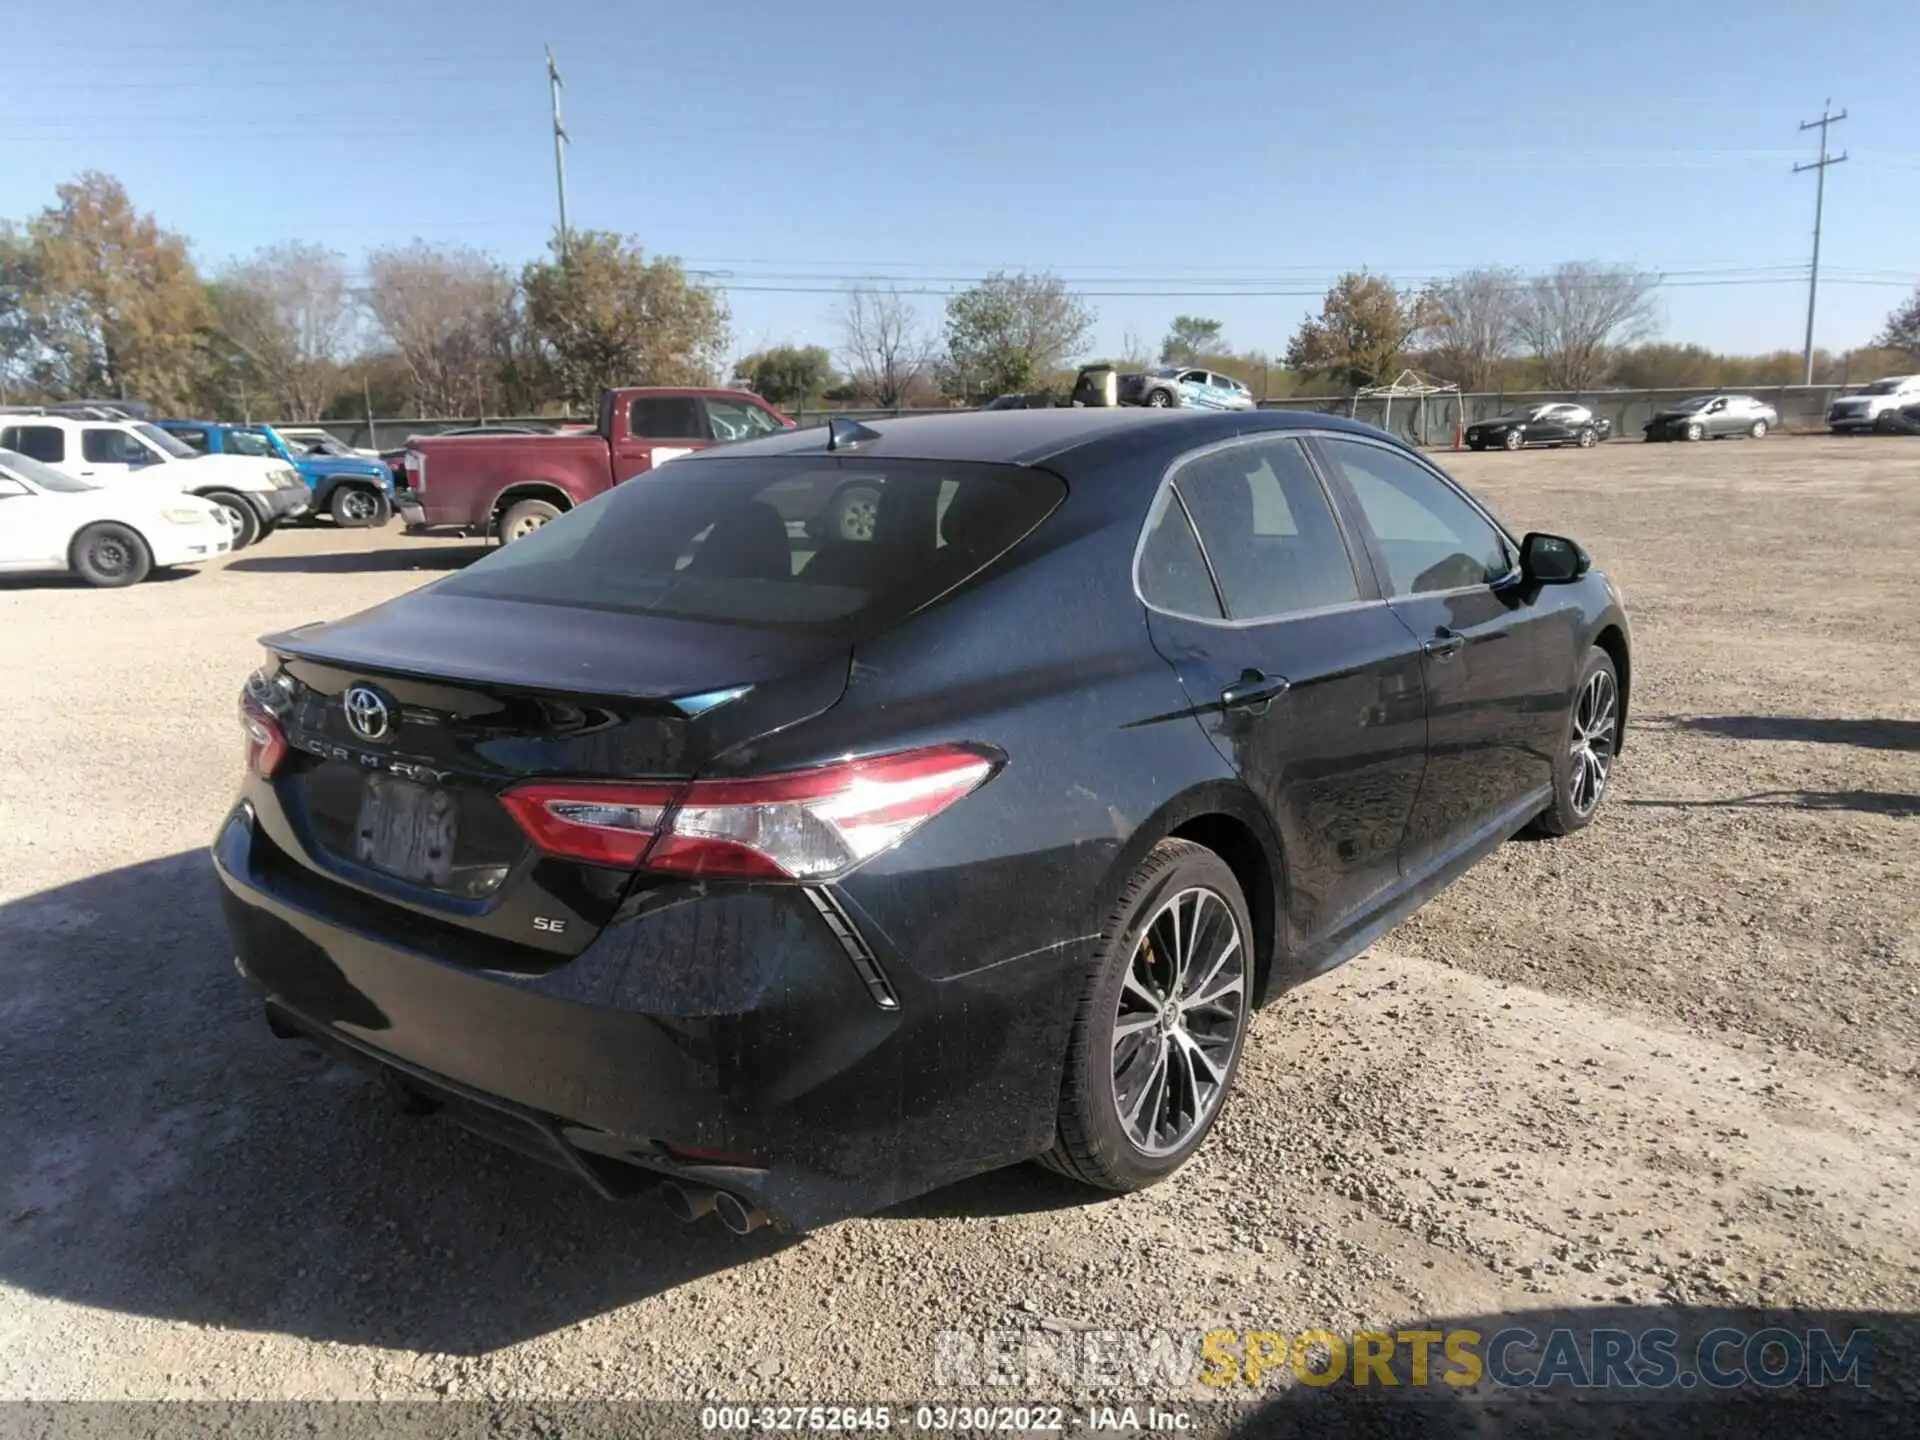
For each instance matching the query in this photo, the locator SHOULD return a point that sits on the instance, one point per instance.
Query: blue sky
(1129, 145)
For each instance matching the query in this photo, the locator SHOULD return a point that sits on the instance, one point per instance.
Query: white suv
(1874, 408)
(256, 493)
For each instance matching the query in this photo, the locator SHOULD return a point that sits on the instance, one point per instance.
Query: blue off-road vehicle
(354, 490)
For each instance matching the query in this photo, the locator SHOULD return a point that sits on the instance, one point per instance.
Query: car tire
(1758, 430)
(1186, 884)
(1590, 739)
(1885, 423)
(1696, 431)
(247, 523)
(110, 555)
(852, 514)
(1513, 440)
(1159, 399)
(1476, 445)
(524, 517)
(355, 507)
(1587, 439)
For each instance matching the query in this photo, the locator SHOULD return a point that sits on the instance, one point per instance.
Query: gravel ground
(1667, 1067)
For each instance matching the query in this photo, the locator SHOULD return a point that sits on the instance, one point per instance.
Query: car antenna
(844, 432)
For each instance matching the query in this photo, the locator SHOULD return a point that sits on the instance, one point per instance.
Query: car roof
(1033, 437)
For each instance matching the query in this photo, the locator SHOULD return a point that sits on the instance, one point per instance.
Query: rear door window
(1269, 530)
(45, 443)
(832, 546)
(667, 417)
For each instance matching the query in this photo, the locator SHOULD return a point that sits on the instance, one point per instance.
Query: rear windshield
(832, 546)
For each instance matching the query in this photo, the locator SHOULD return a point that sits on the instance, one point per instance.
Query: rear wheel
(853, 513)
(111, 555)
(1158, 1034)
(355, 507)
(1592, 739)
(246, 520)
(524, 517)
(1758, 430)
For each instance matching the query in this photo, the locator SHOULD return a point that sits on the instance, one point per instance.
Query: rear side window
(1173, 572)
(1268, 529)
(666, 417)
(805, 543)
(45, 443)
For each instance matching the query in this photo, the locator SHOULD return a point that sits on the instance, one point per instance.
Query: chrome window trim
(1220, 622)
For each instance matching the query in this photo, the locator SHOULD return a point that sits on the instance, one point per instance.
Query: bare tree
(1577, 315)
(442, 309)
(288, 314)
(1471, 331)
(883, 349)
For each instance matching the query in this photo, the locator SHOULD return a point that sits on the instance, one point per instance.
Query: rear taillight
(266, 741)
(415, 465)
(805, 825)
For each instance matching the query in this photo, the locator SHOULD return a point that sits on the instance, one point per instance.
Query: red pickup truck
(509, 485)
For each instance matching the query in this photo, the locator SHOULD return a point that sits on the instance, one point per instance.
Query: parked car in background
(108, 535)
(510, 485)
(1185, 386)
(1554, 424)
(257, 493)
(311, 440)
(1714, 417)
(810, 874)
(1874, 407)
(356, 492)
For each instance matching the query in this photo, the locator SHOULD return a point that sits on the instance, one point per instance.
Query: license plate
(407, 830)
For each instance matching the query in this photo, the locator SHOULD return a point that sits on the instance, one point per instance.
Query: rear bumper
(703, 1019)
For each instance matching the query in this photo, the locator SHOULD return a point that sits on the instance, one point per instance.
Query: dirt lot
(1666, 1067)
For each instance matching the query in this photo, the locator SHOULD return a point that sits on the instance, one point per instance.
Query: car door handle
(1445, 645)
(1254, 692)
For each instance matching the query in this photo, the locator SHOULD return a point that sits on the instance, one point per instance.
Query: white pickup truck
(1877, 407)
(256, 493)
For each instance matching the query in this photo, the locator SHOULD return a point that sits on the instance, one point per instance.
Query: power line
(1819, 167)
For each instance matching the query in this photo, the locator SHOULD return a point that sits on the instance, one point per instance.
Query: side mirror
(1552, 559)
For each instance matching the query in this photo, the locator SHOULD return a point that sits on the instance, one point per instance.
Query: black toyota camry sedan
(691, 839)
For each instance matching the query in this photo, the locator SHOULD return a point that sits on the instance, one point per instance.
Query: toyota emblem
(368, 714)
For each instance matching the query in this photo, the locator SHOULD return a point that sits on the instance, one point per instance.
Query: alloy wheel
(858, 519)
(1178, 1021)
(359, 505)
(1595, 724)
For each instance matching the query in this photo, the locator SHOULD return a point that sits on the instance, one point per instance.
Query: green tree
(608, 316)
(1902, 331)
(790, 374)
(1009, 332)
(102, 301)
(1672, 367)
(1188, 338)
(1362, 332)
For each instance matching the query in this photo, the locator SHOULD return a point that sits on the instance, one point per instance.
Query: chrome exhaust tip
(687, 1203)
(737, 1215)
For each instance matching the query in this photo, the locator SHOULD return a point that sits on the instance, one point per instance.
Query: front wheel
(1514, 440)
(1159, 399)
(1696, 431)
(1587, 439)
(244, 518)
(1158, 1034)
(1758, 430)
(853, 514)
(354, 508)
(1584, 763)
(111, 556)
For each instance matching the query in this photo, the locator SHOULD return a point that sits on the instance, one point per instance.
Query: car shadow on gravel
(426, 556)
(167, 1157)
(1865, 802)
(1737, 1346)
(1870, 734)
(169, 576)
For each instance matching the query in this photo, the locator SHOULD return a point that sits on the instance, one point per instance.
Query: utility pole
(1827, 117)
(560, 141)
